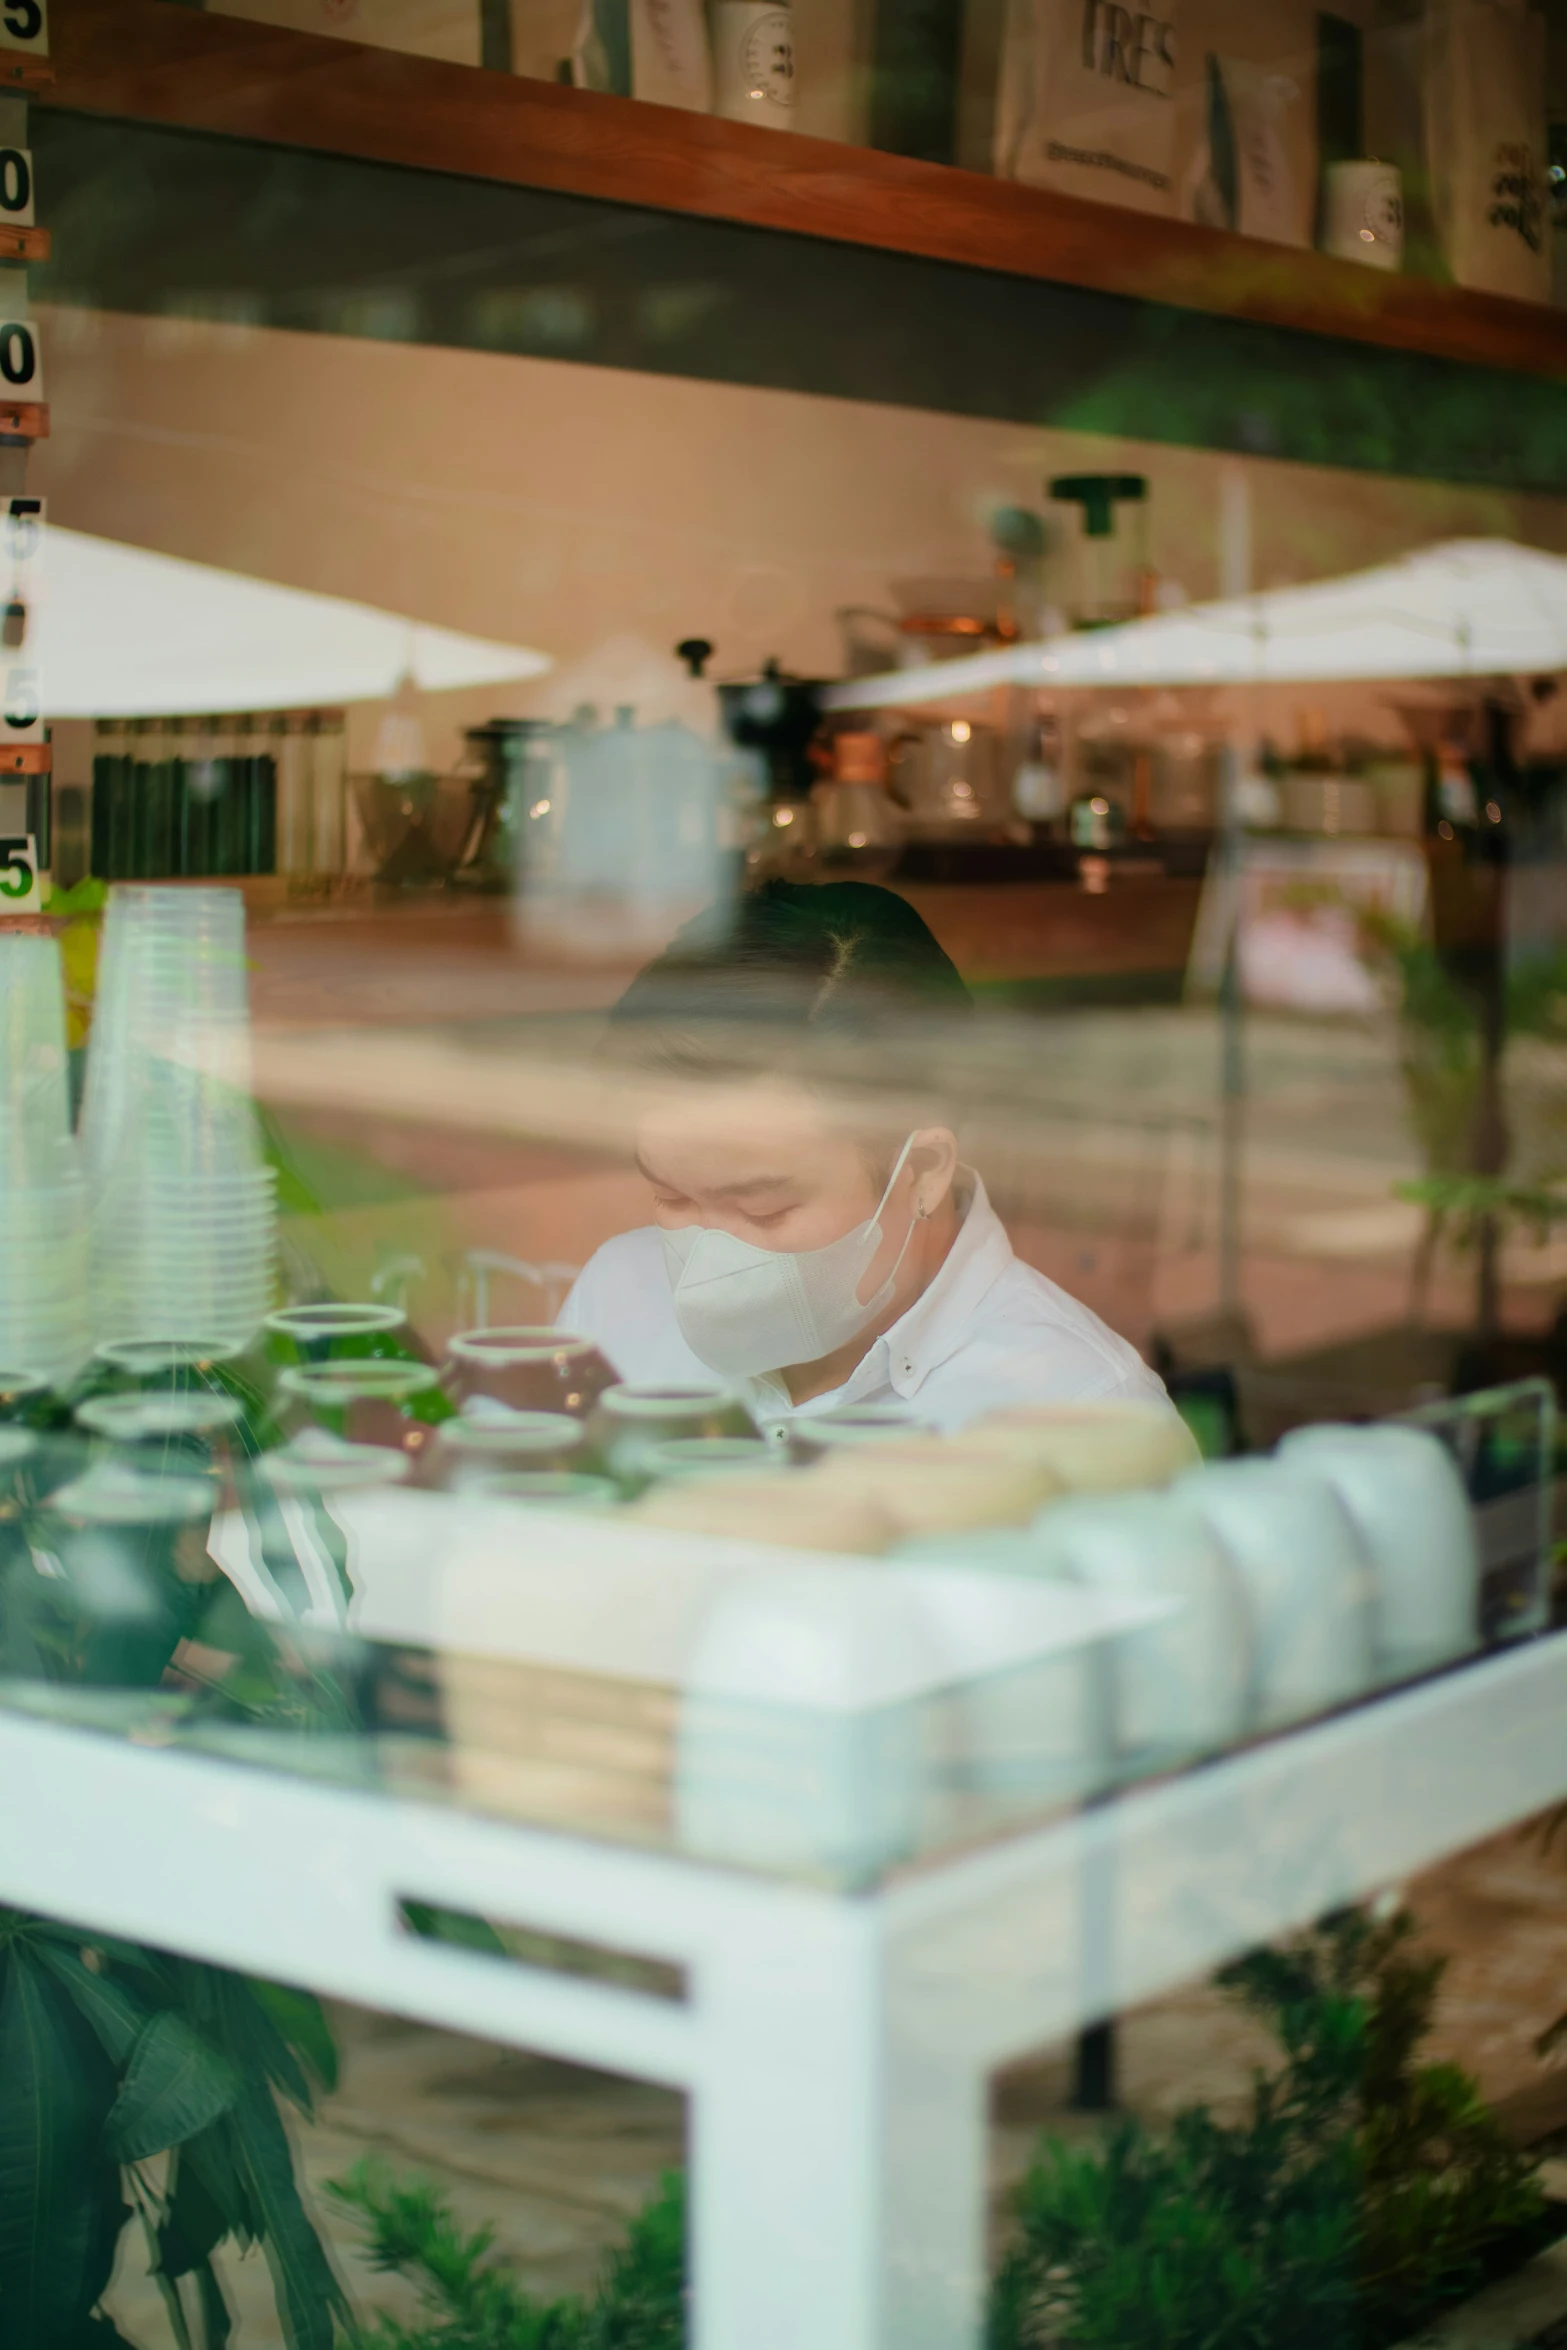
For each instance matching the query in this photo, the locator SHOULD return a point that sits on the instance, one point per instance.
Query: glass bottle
(328, 793)
(261, 811)
(109, 751)
(859, 832)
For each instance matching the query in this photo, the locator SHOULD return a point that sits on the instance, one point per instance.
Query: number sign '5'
(19, 889)
(24, 24)
(21, 711)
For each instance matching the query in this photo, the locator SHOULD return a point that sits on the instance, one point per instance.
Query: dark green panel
(173, 223)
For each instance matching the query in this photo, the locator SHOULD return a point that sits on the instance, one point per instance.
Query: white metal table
(835, 2047)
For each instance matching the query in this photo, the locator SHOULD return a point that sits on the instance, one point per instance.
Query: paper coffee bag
(424, 28)
(1485, 140)
(651, 49)
(1087, 101)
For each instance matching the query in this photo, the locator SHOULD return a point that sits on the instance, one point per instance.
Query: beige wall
(558, 505)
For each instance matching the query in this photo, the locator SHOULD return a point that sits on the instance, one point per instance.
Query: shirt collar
(934, 1327)
(941, 1318)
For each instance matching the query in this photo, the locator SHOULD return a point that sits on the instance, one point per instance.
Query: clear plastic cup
(35, 1114)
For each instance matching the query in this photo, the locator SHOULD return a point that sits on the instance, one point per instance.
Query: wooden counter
(378, 959)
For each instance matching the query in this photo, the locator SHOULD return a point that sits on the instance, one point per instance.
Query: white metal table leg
(838, 2177)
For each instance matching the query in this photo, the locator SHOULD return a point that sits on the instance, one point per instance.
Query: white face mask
(744, 1309)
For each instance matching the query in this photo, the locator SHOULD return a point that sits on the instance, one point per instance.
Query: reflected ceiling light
(1467, 608)
(121, 632)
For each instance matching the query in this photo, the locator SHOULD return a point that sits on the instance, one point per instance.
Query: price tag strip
(25, 751)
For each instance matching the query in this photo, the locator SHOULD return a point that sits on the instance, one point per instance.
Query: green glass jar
(399, 1404)
(469, 1454)
(550, 1490)
(297, 1336)
(133, 1577)
(29, 1400)
(630, 1425)
(165, 1433)
(177, 1366)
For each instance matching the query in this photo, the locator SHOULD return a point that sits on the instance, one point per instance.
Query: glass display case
(782, 975)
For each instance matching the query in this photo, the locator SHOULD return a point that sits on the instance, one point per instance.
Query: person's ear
(933, 1156)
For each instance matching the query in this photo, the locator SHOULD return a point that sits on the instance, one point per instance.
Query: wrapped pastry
(795, 1511)
(1090, 1448)
(936, 1485)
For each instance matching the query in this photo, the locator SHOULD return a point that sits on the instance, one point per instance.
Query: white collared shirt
(988, 1331)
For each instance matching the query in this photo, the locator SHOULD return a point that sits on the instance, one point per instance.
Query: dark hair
(836, 960)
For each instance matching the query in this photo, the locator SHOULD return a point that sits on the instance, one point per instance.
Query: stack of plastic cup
(184, 1227)
(43, 1201)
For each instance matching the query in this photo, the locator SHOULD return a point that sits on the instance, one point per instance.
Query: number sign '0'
(21, 361)
(24, 24)
(16, 187)
(20, 892)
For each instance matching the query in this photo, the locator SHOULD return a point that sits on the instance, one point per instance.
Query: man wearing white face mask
(807, 1256)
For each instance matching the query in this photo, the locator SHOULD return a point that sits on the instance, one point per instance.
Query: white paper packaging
(424, 28)
(670, 61)
(1087, 101)
(1485, 137)
(651, 49)
(1243, 176)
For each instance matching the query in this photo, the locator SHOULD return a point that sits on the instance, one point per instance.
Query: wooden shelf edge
(149, 61)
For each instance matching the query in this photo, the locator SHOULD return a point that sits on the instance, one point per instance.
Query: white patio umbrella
(120, 632)
(1469, 608)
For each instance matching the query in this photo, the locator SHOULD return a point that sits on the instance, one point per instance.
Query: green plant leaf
(175, 2085)
(301, 2022)
(216, 2318)
(212, 2162)
(61, 2209)
(115, 2016)
(243, 2026)
(194, 2220)
(309, 2297)
(433, 1924)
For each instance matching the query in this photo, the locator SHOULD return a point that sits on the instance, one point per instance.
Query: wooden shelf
(150, 61)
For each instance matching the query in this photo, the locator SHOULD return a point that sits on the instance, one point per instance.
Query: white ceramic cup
(1363, 213)
(753, 62)
(1031, 1735)
(1307, 1576)
(1403, 1490)
(1182, 1686)
(800, 1746)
